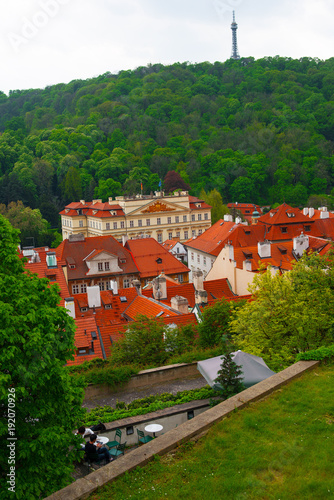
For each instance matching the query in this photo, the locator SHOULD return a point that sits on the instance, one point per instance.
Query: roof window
(51, 260)
(284, 229)
(123, 299)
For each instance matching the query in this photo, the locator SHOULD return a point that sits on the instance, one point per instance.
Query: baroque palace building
(159, 216)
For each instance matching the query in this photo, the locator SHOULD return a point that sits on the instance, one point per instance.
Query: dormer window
(72, 266)
(122, 261)
(94, 212)
(106, 266)
(307, 228)
(198, 205)
(100, 266)
(284, 229)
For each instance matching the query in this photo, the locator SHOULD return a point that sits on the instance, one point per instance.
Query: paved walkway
(128, 396)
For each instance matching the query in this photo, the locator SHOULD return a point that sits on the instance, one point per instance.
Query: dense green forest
(259, 131)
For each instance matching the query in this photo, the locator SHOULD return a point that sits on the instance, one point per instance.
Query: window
(177, 219)
(180, 278)
(284, 229)
(192, 255)
(307, 228)
(83, 288)
(122, 224)
(200, 231)
(106, 266)
(126, 283)
(75, 289)
(170, 236)
(206, 216)
(204, 260)
(131, 223)
(158, 220)
(169, 220)
(193, 217)
(94, 224)
(108, 286)
(186, 235)
(178, 234)
(80, 223)
(115, 225)
(100, 266)
(101, 286)
(199, 216)
(193, 233)
(198, 259)
(184, 218)
(148, 222)
(107, 226)
(140, 223)
(160, 238)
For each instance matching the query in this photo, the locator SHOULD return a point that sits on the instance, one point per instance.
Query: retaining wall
(163, 444)
(145, 378)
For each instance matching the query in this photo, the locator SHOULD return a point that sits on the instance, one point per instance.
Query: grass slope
(279, 448)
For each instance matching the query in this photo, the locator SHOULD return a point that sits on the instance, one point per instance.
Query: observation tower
(234, 27)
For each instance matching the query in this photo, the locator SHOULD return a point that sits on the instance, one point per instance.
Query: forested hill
(256, 130)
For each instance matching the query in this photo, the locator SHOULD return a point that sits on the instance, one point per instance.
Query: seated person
(84, 432)
(95, 451)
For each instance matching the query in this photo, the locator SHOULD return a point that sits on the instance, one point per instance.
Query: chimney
(300, 244)
(230, 251)
(69, 305)
(96, 201)
(76, 237)
(159, 288)
(82, 202)
(228, 218)
(110, 200)
(198, 280)
(124, 239)
(305, 211)
(201, 297)
(324, 214)
(237, 220)
(180, 304)
(114, 287)
(247, 265)
(137, 285)
(94, 296)
(264, 249)
(310, 212)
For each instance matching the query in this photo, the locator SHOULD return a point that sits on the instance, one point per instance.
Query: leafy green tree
(30, 222)
(229, 377)
(142, 344)
(215, 323)
(36, 340)
(290, 313)
(214, 199)
(108, 188)
(72, 186)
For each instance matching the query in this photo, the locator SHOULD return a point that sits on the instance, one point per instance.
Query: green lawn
(279, 448)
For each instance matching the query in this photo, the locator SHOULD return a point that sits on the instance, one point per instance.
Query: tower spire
(234, 27)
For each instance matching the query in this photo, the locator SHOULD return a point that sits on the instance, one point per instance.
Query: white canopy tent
(254, 368)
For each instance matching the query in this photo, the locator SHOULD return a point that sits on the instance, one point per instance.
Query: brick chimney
(180, 304)
(201, 297)
(198, 280)
(137, 285)
(159, 288)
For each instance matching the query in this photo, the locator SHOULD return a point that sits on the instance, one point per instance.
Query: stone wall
(146, 378)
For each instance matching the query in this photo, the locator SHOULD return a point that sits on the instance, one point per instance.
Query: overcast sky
(44, 42)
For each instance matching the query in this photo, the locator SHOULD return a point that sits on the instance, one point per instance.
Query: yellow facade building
(176, 216)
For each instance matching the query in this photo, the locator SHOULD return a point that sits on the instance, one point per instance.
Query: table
(153, 428)
(102, 439)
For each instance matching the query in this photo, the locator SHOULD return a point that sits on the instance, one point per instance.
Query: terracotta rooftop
(212, 239)
(147, 253)
(78, 251)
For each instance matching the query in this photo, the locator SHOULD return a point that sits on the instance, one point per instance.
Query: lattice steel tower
(234, 27)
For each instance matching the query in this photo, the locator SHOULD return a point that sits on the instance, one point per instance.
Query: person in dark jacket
(95, 451)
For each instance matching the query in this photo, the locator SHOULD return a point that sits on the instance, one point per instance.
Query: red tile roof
(55, 275)
(103, 209)
(78, 251)
(212, 239)
(284, 214)
(142, 305)
(216, 289)
(146, 252)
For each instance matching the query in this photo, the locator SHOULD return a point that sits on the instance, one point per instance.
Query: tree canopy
(289, 313)
(36, 340)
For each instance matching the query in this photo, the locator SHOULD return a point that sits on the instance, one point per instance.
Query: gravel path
(128, 396)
